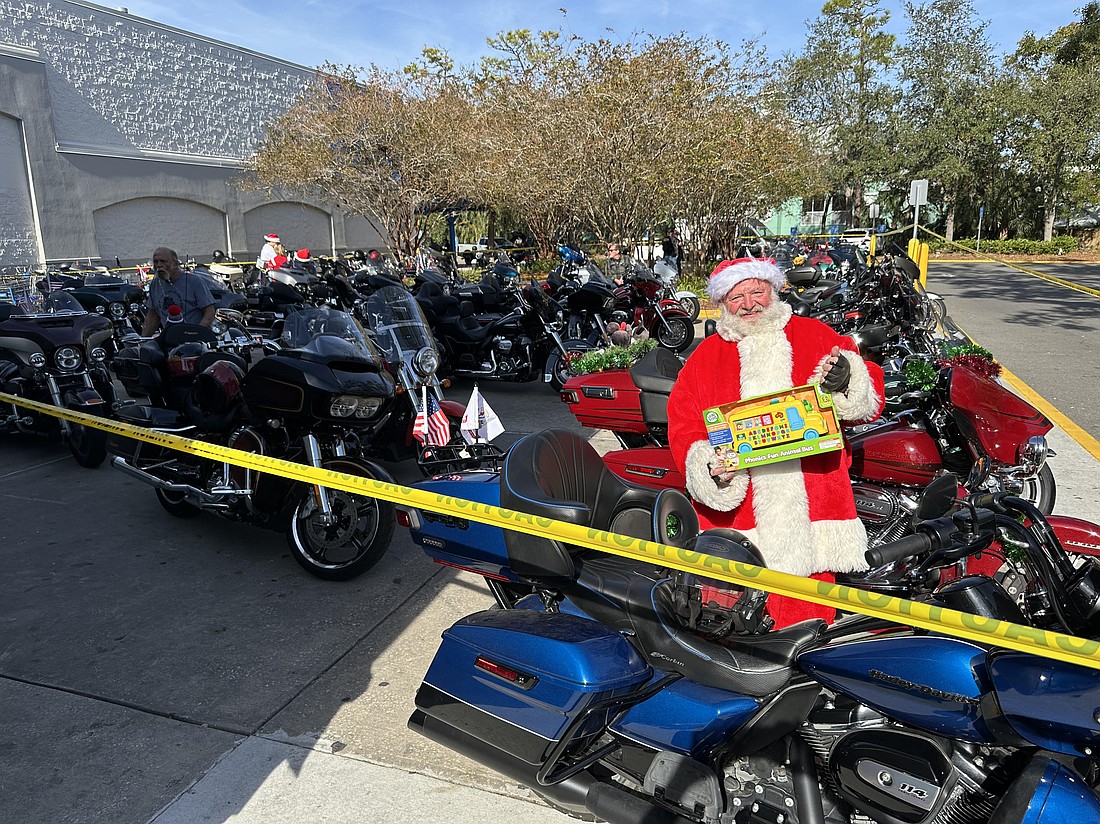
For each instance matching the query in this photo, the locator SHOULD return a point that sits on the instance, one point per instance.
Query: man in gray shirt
(173, 286)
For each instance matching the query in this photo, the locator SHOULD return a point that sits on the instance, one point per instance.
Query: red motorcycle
(969, 425)
(638, 303)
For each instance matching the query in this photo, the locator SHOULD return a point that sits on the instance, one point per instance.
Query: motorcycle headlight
(99, 354)
(367, 407)
(68, 357)
(343, 406)
(101, 309)
(38, 360)
(117, 310)
(426, 361)
(1033, 452)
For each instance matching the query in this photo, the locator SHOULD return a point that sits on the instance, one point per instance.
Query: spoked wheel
(176, 504)
(88, 445)
(678, 336)
(346, 543)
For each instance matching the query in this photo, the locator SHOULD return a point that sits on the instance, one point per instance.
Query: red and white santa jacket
(799, 513)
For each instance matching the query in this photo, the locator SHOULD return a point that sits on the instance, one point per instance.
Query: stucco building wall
(119, 134)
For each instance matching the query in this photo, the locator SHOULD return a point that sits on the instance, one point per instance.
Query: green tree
(948, 117)
(1055, 146)
(840, 91)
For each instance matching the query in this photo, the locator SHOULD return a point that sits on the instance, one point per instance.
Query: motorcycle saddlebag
(651, 466)
(605, 400)
(459, 542)
(516, 679)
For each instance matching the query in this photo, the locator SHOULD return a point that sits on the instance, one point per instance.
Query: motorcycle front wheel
(557, 366)
(88, 445)
(679, 335)
(691, 306)
(347, 543)
(1041, 490)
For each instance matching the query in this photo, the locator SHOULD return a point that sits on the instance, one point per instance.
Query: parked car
(860, 237)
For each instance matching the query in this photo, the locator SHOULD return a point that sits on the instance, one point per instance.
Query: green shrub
(1059, 245)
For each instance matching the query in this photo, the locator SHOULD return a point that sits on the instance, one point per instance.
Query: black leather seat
(557, 474)
(465, 326)
(654, 375)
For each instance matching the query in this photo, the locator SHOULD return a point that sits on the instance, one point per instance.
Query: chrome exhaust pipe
(194, 495)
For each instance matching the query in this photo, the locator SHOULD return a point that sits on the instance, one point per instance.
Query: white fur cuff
(860, 401)
(700, 483)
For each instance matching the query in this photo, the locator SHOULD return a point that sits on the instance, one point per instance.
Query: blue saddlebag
(460, 542)
(516, 679)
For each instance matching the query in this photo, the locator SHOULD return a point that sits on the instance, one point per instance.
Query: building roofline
(125, 15)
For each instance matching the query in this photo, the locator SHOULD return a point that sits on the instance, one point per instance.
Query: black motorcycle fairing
(290, 384)
(337, 353)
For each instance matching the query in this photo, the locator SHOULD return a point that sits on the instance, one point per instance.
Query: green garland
(921, 375)
(615, 357)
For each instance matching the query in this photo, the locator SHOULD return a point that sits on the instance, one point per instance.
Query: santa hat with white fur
(729, 273)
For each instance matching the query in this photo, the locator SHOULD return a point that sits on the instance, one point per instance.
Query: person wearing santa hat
(302, 262)
(799, 513)
(272, 246)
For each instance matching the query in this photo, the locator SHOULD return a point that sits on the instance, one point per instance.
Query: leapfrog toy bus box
(780, 426)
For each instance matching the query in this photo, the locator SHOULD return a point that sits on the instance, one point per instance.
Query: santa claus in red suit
(799, 513)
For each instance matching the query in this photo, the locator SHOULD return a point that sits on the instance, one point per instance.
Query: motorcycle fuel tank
(898, 452)
(933, 683)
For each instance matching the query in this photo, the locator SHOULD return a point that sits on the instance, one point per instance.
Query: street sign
(918, 193)
(873, 211)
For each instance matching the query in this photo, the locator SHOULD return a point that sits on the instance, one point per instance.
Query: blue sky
(391, 33)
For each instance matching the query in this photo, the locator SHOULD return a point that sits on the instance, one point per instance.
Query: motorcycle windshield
(398, 325)
(59, 303)
(305, 327)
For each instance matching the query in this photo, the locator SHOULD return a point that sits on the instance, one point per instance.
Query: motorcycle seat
(557, 474)
(657, 371)
(754, 665)
(465, 326)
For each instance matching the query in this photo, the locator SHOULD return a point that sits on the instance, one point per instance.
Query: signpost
(981, 214)
(918, 196)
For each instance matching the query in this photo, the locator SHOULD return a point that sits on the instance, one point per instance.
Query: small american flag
(24, 303)
(431, 427)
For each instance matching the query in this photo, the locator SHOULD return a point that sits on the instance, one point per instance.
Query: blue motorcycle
(636, 694)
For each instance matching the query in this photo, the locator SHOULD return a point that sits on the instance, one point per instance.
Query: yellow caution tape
(1046, 644)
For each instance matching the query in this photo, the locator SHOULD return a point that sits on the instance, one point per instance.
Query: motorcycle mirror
(710, 327)
(938, 497)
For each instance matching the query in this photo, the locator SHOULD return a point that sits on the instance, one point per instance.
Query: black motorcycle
(523, 344)
(312, 403)
(57, 356)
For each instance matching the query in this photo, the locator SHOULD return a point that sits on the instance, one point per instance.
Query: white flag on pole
(479, 421)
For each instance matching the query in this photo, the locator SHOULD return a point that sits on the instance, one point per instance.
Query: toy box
(780, 426)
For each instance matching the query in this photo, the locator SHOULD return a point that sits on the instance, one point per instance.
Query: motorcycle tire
(88, 445)
(559, 369)
(691, 306)
(357, 539)
(1041, 490)
(679, 335)
(176, 505)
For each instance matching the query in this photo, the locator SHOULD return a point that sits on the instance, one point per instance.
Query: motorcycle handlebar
(914, 544)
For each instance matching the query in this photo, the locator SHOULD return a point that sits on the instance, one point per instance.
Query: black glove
(838, 376)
